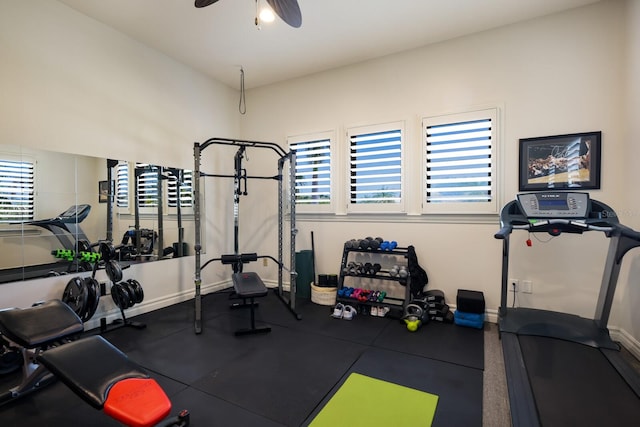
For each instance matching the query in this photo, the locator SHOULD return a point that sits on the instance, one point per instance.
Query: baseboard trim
(491, 316)
(626, 340)
(152, 305)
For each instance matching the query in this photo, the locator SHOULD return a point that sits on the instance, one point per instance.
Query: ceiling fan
(287, 10)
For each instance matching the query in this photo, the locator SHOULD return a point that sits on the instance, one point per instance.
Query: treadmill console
(555, 204)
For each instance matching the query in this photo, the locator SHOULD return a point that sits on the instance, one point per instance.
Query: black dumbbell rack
(394, 303)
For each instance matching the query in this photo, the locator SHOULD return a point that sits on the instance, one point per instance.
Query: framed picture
(103, 191)
(560, 162)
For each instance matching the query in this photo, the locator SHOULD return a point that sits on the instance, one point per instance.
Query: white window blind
(460, 163)
(375, 168)
(147, 185)
(122, 184)
(16, 191)
(182, 185)
(313, 171)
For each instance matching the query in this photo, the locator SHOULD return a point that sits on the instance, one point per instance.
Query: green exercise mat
(366, 401)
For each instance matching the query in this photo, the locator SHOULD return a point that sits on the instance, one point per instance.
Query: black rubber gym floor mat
(281, 375)
(157, 324)
(574, 384)
(440, 341)
(185, 356)
(207, 410)
(272, 379)
(459, 388)
(53, 405)
(316, 319)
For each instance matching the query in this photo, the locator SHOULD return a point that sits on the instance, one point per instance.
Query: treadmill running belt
(574, 384)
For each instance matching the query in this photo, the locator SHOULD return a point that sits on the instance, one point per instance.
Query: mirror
(56, 207)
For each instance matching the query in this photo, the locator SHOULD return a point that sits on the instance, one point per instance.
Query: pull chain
(242, 105)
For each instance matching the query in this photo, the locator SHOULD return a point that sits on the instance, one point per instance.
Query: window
(375, 168)
(16, 191)
(460, 163)
(180, 184)
(122, 185)
(147, 182)
(313, 179)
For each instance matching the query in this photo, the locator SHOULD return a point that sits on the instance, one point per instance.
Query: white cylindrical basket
(322, 295)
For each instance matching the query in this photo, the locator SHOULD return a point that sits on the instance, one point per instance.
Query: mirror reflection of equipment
(62, 180)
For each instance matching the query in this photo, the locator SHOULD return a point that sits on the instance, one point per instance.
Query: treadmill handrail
(535, 226)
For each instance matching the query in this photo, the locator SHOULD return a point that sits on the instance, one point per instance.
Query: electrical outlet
(527, 286)
(264, 262)
(514, 285)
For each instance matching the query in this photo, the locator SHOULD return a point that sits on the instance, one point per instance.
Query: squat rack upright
(240, 178)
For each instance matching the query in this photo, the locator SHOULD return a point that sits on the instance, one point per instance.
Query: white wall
(71, 84)
(627, 315)
(558, 74)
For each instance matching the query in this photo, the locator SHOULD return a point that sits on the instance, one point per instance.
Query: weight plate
(10, 359)
(132, 293)
(114, 271)
(139, 292)
(107, 251)
(120, 296)
(75, 295)
(96, 286)
(91, 297)
(94, 293)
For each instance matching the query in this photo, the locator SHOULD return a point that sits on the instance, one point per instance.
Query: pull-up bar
(244, 143)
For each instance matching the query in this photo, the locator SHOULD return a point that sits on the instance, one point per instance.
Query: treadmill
(66, 226)
(563, 369)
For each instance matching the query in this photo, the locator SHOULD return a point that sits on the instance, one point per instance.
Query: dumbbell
(364, 243)
(352, 244)
(371, 269)
(375, 243)
(403, 273)
(394, 271)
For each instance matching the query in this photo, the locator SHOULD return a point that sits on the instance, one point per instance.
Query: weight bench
(249, 286)
(114, 383)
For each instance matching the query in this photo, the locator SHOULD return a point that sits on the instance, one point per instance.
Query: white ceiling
(219, 39)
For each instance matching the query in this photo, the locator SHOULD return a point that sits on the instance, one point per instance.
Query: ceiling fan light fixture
(266, 14)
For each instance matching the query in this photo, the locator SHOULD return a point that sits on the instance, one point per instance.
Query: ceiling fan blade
(204, 3)
(288, 10)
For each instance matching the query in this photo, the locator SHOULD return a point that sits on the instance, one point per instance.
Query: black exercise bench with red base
(114, 383)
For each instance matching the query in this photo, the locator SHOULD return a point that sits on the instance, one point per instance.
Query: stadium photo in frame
(560, 162)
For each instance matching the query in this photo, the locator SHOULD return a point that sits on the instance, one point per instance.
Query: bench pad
(90, 367)
(248, 285)
(41, 324)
